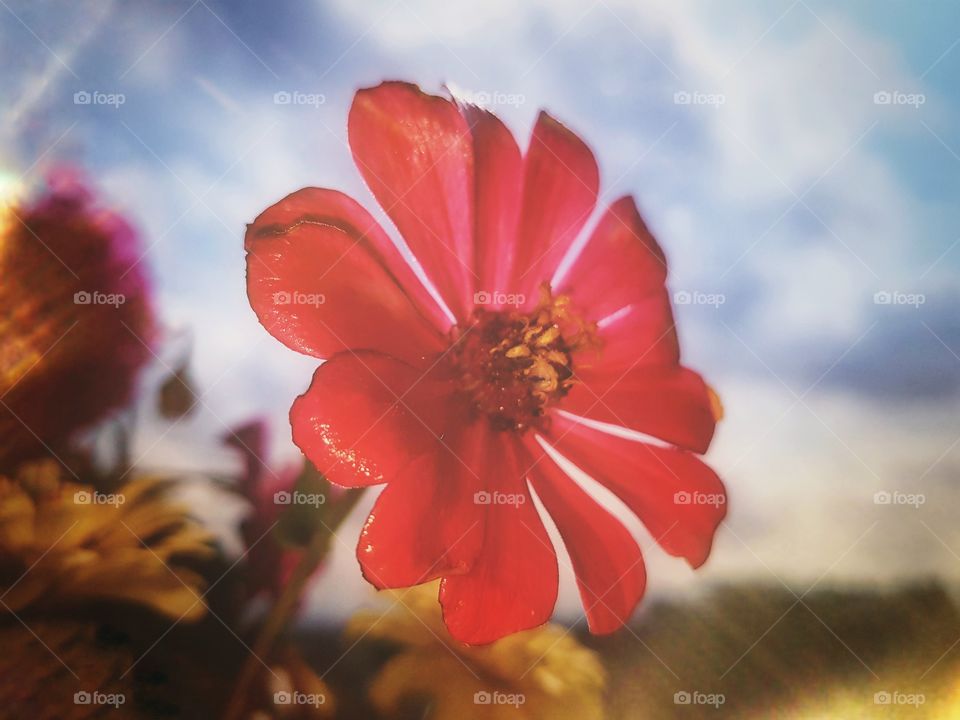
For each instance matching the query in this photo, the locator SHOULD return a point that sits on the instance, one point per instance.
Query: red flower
(455, 415)
(270, 563)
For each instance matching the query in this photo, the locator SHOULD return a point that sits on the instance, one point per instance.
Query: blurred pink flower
(269, 561)
(78, 318)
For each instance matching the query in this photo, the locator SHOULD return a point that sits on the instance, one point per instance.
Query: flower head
(77, 320)
(541, 673)
(465, 409)
(63, 544)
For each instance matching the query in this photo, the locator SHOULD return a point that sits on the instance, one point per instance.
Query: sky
(798, 161)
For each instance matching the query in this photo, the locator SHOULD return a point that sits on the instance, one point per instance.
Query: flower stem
(285, 606)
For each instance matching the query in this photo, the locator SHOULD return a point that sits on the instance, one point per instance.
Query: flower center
(511, 365)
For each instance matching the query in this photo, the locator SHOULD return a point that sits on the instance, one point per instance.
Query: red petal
(425, 523)
(669, 403)
(560, 185)
(332, 207)
(618, 281)
(320, 284)
(642, 334)
(606, 559)
(365, 416)
(678, 498)
(414, 152)
(621, 264)
(512, 586)
(497, 185)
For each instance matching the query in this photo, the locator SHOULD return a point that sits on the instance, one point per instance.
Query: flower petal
(415, 154)
(678, 498)
(606, 559)
(672, 404)
(621, 264)
(319, 283)
(333, 207)
(640, 334)
(512, 585)
(366, 416)
(498, 183)
(560, 185)
(425, 523)
(617, 281)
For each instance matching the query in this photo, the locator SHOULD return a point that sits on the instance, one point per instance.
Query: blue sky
(789, 191)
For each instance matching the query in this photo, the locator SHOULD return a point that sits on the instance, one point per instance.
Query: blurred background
(799, 162)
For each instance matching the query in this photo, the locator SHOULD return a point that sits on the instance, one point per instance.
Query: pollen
(511, 365)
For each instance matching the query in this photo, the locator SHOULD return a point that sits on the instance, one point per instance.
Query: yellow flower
(540, 673)
(63, 544)
(897, 696)
(294, 691)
